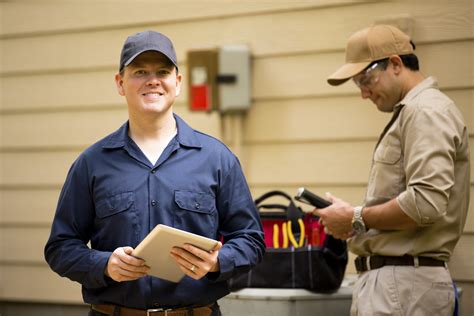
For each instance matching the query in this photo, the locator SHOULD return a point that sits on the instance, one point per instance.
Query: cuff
(100, 260)
(226, 266)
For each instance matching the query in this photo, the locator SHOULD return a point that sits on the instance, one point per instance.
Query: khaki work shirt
(423, 162)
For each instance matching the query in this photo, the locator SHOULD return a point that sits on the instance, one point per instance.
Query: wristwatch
(358, 224)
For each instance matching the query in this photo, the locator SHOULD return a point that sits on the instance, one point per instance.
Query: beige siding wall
(58, 59)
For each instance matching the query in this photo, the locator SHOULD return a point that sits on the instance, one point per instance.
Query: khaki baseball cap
(370, 44)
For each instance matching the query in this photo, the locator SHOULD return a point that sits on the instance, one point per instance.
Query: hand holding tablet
(155, 249)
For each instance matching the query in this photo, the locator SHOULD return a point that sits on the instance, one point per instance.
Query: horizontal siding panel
(105, 14)
(466, 306)
(28, 206)
(97, 88)
(303, 31)
(325, 163)
(60, 129)
(23, 244)
(332, 162)
(328, 118)
(310, 119)
(35, 168)
(464, 99)
(309, 72)
(65, 129)
(66, 91)
(462, 261)
(37, 284)
(63, 90)
(469, 226)
(347, 117)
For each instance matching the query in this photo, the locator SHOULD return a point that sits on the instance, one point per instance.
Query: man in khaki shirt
(418, 191)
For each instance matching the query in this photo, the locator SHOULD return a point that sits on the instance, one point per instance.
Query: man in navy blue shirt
(154, 169)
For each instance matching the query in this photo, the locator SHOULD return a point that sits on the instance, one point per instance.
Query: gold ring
(192, 268)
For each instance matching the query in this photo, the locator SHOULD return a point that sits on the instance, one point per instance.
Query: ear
(396, 64)
(119, 83)
(179, 79)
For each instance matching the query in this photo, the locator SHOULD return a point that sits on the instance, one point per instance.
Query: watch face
(358, 227)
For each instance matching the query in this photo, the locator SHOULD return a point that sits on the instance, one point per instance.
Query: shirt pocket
(116, 221)
(387, 154)
(115, 204)
(195, 201)
(196, 212)
(387, 174)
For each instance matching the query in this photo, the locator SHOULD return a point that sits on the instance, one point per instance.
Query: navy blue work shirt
(113, 197)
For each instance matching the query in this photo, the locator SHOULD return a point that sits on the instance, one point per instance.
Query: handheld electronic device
(309, 197)
(156, 247)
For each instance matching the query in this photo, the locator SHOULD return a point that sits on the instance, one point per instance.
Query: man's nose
(365, 92)
(153, 79)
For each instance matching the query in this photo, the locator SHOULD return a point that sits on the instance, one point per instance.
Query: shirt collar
(186, 135)
(427, 83)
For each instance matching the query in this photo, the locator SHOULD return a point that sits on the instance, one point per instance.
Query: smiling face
(150, 85)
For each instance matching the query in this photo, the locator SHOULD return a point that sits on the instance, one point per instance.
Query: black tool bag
(314, 261)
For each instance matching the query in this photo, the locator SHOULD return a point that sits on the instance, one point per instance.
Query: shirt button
(153, 202)
(153, 171)
(197, 205)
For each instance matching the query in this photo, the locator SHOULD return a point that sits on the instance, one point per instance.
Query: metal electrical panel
(202, 73)
(233, 78)
(219, 79)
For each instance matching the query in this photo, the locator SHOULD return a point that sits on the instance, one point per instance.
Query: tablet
(156, 247)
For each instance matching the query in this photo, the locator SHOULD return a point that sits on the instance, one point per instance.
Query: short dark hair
(410, 61)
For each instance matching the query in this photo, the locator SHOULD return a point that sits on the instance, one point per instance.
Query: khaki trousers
(404, 291)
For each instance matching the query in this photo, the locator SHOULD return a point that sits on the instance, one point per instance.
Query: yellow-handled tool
(276, 235)
(285, 235)
(292, 237)
(276, 242)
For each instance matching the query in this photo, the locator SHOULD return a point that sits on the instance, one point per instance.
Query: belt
(374, 262)
(125, 311)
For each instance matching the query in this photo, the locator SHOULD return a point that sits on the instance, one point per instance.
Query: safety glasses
(371, 75)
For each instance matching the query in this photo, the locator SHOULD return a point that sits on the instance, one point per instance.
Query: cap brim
(129, 61)
(346, 72)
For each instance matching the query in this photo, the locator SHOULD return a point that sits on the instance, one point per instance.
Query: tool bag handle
(292, 212)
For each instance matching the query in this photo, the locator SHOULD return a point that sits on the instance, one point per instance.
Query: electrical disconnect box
(220, 79)
(234, 78)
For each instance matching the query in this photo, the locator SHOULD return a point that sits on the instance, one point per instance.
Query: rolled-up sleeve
(430, 141)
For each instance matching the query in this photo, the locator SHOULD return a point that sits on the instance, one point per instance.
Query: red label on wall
(200, 98)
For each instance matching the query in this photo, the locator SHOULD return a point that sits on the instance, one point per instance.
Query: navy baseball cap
(145, 41)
